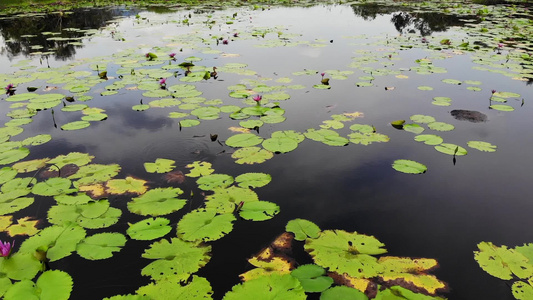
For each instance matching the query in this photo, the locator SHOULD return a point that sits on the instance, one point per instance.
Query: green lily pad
(452, 81)
(409, 166)
(280, 144)
(51, 285)
(253, 180)
(101, 245)
(482, 146)
(312, 278)
(205, 225)
(198, 288)
(95, 173)
(37, 140)
(259, 210)
(273, 286)
(20, 266)
(56, 240)
(251, 124)
(212, 181)
(206, 113)
(344, 292)
(429, 139)
(161, 165)
(189, 123)
(298, 137)
(251, 155)
(303, 229)
(346, 252)
(149, 229)
(451, 149)
(441, 126)
(422, 119)
(322, 86)
(53, 186)
(244, 140)
(425, 88)
(414, 128)
(6, 174)
(502, 107)
(522, 290)
(157, 202)
(13, 155)
(175, 259)
(76, 125)
(502, 262)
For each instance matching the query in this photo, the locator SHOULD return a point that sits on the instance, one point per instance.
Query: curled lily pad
(303, 229)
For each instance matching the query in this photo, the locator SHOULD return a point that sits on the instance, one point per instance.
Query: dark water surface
(442, 214)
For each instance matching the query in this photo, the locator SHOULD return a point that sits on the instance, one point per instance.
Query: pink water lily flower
(322, 74)
(5, 248)
(162, 81)
(500, 45)
(257, 98)
(172, 55)
(236, 34)
(225, 42)
(493, 91)
(10, 89)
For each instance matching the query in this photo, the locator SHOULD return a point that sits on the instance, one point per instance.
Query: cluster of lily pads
(79, 187)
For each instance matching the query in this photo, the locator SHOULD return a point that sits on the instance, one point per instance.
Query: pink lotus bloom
(257, 98)
(500, 45)
(493, 91)
(424, 40)
(322, 74)
(163, 81)
(147, 55)
(9, 87)
(236, 34)
(5, 248)
(225, 42)
(172, 55)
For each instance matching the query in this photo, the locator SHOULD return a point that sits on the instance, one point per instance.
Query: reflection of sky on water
(442, 214)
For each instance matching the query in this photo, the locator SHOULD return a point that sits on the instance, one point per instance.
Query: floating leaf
(29, 166)
(11, 156)
(128, 185)
(429, 139)
(251, 124)
(210, 182)
(522, 290)
(205, 225)
(24, 226)
(441, 126)
(482, 146)
(451, 149)
(267, 263)
(198, 288)
(149, 229)
(77, 158)
(409, 166)
(20, 266)
(95, 173)
(76, 125)
(56, 241)
(312, 278)
(189, 123)
(303, 229)
(51, 285)
(345, 252)
(101, 245)
(161, 165)
(274, 286)
(502, 262)
(342, 292)
(280, 144)
(6, 174)
(54, 186)
(253, 180)
(327, 136)
(414, 128)
(422, 119)
(199, 168)
(425, 88)
(298, 137)
(259, 210)
(251, 155)
(452, 81)
(367, 138)
(176, 259)
(502, 107)
(244, 140)
(157, 202)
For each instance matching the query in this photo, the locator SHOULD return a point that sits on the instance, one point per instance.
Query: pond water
(460, 201)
